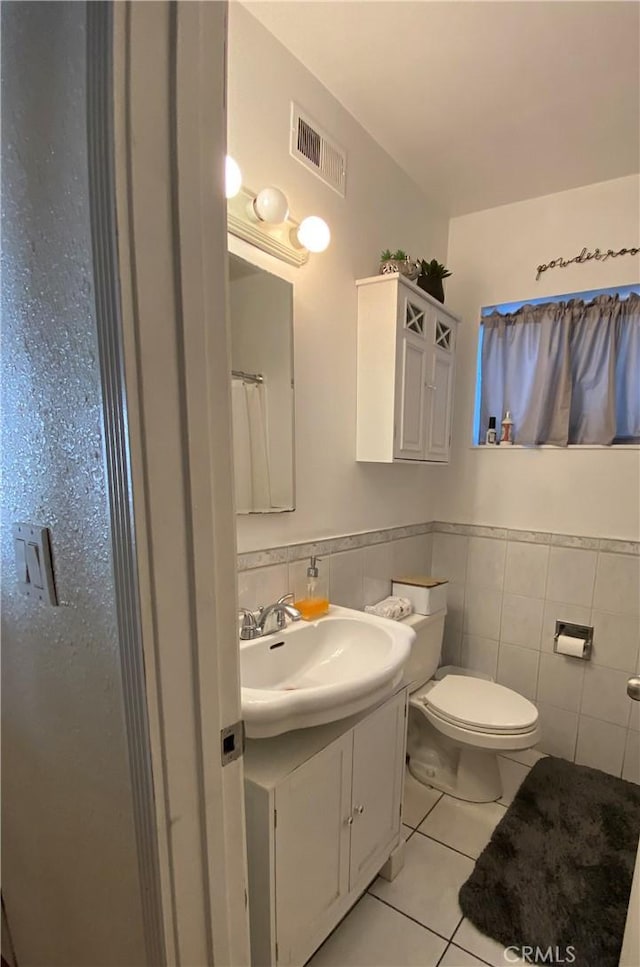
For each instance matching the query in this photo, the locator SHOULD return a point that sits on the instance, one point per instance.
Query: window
(567, 369)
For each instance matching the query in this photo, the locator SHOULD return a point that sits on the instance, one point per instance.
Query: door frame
(160, 212)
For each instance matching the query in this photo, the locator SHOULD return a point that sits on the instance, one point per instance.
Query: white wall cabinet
(323, 816)
(406, 361)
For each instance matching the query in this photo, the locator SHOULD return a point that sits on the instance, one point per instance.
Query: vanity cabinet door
(312, 835)
(378, 765)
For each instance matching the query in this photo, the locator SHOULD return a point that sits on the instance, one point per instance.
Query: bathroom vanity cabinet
(323, 809)
(406, 364)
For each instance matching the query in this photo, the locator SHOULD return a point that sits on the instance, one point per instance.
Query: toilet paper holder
(582, 632)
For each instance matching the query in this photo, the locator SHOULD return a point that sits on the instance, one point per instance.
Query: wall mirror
(261, 311)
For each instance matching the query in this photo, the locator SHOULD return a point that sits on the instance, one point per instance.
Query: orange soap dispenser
(315, 602)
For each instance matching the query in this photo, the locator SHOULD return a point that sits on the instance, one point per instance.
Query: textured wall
(70, 878)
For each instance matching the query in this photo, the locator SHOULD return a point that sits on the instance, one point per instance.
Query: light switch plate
(34, 568)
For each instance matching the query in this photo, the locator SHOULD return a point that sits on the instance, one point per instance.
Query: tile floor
(415, 921)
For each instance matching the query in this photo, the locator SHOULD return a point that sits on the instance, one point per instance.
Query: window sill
(549, 446)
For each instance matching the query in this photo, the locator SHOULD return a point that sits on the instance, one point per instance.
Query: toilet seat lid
(481, 705)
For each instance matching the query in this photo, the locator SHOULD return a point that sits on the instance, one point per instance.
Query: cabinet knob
(349, 821)
(360, 810)
(431, 385)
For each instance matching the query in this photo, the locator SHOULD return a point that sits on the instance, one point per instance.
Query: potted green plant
(400, 262)
(430, 278)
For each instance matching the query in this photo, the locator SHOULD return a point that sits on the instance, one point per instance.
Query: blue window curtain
(569, 372)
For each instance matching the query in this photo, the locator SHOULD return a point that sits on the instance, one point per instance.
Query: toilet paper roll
(568, 645)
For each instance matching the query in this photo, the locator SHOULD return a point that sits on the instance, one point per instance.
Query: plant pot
(407, 268)
(431, 285)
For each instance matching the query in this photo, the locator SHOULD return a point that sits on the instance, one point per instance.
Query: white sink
(315, 672)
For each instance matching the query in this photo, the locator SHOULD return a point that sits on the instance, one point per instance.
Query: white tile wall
(451, 647)
(450, 557)
(346, 579)
(616, 640)
(521, 620)
(455, 606)
(485, 562)
(504, 597)
(560, 681)
(631, 764)
(617, 584)
(480, 654)
(604, 695)
(526, 571)
(518, 669)
(571, 575)
(358, 576)
(377, 572)
(600, 745)
(502, 619)
(410, 555)
(559, 730)
(482, 608)
(262, 586)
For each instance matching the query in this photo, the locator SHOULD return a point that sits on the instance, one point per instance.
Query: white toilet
(459, 723)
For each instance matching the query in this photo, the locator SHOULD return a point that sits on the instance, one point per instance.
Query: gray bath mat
(557, 872)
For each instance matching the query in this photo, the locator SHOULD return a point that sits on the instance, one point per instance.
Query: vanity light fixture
(263, 220)
(271, 206)
(232, 177)
(314, 234)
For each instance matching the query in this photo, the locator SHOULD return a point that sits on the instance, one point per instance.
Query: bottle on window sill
(506, 436)
(491, 436)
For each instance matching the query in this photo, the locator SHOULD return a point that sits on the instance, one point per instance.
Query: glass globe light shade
(271, 206)
(314, 234)
(232, 177)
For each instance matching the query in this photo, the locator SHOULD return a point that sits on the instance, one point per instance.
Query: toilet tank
(426, 649)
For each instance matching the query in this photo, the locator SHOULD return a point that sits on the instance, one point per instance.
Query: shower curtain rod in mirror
(248, 377)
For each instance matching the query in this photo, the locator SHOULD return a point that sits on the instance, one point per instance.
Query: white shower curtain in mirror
(250, 446)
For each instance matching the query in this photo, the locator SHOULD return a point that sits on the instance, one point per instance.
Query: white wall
(494, 255)
(69, 859)
(383, 208)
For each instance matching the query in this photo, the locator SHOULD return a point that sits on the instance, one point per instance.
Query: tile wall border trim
(329, 545)
(539, 537)
(284, 554)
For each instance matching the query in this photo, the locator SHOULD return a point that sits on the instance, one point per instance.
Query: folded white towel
(391, 607)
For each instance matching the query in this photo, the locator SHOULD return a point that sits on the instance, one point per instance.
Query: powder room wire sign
(585, 256)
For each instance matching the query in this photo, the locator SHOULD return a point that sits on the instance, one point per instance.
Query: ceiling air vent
(317, 151)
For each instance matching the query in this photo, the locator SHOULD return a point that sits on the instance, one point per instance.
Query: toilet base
(476, 779)
(463, 771)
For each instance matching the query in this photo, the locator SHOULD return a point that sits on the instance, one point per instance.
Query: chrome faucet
(248, 628)
(255, 627)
